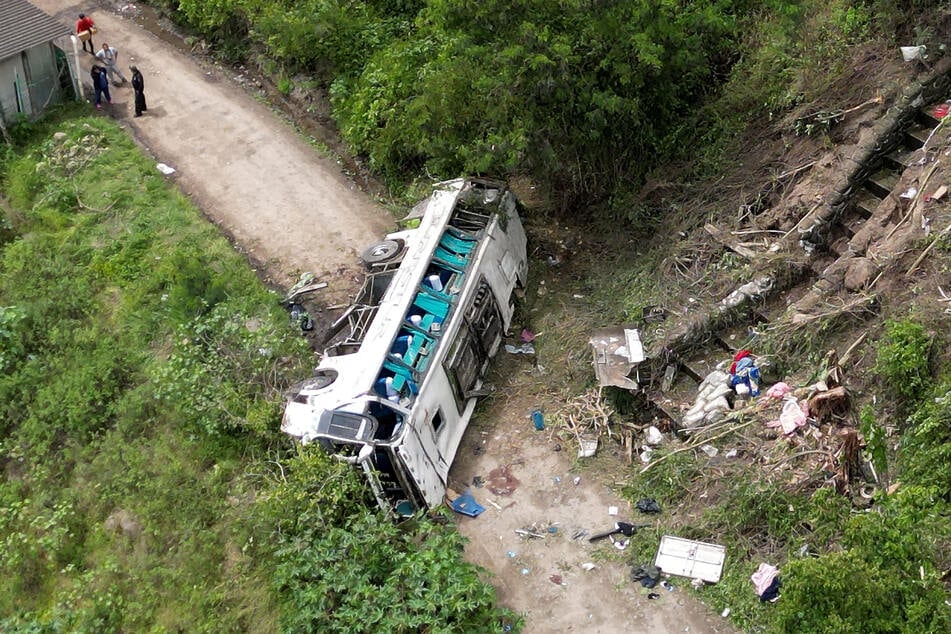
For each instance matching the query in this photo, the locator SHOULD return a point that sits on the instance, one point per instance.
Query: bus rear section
(395, 391)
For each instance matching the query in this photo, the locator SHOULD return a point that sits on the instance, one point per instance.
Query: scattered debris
(711, 399)
(588, 566)
(588, 447)
(710, 450)
(165, 169)
(911, 53)
(305, 284)
(585, 417)
(300, 317)
(525, 348)
(612, 510)
(617, 353)
(648, 575)
(723, 237)
(744, 375)
(670, 373)
(937, 194)
(538, 419)
(778, 390)
(648, 505)
(793, 416)
(557, 580)
(620, 528)
(527, 533)
(653, 436)
(466, 505)
(646, 454)
(766, 582)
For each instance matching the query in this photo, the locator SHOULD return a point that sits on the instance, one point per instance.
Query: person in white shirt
(110, 58)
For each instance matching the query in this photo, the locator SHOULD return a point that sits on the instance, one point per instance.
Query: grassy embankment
(145, 486)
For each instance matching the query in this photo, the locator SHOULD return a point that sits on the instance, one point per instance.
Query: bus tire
(382, 252)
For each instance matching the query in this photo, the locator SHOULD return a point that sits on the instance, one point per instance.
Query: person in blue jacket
(100, 84)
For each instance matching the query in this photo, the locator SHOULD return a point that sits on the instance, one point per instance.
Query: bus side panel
(422, 463)
(439, 395)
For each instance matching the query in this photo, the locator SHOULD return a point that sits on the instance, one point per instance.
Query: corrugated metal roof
(23, 25)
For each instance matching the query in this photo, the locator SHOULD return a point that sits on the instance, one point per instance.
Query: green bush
(903, 361)
(888, 580)
(925, 449)
(371, 576)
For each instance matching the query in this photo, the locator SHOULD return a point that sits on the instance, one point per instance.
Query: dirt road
(293, 210)
(532, 481)
(290, 208)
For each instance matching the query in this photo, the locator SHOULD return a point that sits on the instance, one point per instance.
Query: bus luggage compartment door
(423, 462)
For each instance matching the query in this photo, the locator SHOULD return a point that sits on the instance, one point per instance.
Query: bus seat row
(409, 352)
(460, 246)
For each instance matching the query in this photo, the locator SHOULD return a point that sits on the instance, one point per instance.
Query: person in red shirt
(85, 23)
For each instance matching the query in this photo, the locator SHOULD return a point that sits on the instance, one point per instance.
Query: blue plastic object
(538, 419)
(467, 505)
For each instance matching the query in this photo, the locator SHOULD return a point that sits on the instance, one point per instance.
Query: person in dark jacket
(100, 84)
(138, 86)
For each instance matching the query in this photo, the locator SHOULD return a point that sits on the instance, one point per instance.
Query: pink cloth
(763, 577)
(792, 417)
(778, 390)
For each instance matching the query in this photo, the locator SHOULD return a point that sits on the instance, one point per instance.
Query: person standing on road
(101, 85)
(85, 25)
(138, 85)
(110, 58)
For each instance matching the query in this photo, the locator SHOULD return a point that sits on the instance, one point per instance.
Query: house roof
(24, 25)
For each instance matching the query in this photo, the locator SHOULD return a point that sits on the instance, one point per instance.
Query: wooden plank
(724, 238)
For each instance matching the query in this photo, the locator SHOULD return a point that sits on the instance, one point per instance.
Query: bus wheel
(382, 252)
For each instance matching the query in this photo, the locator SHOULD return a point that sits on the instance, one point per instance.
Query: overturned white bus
(395, 395)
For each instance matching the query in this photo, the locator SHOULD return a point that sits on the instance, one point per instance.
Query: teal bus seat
(438, 295)
(449, 258)
(432, 305)
(402, 376)
(457, 246)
